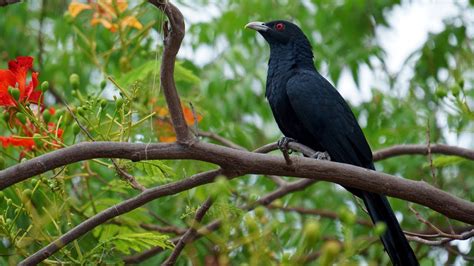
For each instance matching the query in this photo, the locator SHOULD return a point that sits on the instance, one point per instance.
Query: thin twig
(220, 139)
(430, 155)
(121, 172)
(164, 229)
(190, 233)
(322, 213)
(442, 241)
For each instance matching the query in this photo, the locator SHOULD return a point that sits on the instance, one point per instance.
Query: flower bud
(329, 252)
(311, 231)
(251, 223)
(103, 103)
(74, 80)
(455, 90)
(119, 103)
(21, 117)
(259, 212)
(37, 139)
(47, 115)
(441, 92)
(27, 193)
(347, 217)
(14, 92)
(44, 86)
(76, 129)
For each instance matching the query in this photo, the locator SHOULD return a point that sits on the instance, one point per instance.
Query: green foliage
(126, 241)
(103, 85)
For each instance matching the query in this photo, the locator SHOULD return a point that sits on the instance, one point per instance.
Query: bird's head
(278, 32)
(285, 40)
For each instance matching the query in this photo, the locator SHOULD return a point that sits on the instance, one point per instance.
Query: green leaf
(154, 171)
(148, 70)
(139, 242)
(442, 161)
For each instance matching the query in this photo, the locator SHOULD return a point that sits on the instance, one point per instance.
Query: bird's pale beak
(257, 25)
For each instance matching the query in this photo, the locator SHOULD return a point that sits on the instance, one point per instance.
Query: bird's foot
(283, 146)
(321, 156)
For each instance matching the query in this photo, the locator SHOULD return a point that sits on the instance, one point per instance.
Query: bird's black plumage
(310, 110)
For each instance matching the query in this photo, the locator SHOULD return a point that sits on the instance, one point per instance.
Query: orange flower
(166, 131)
(15, 76)
(189, 116)
(107, 13)
(52, 130)
(165, 128)
(163, 112)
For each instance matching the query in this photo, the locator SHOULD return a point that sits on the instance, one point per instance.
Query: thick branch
(242, 162)
(172, 43)
(8, 2)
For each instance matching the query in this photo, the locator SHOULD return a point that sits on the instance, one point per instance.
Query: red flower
(15, 76)
(52, 130)
(19, 142)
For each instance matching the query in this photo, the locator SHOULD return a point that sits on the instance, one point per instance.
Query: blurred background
(406, 68)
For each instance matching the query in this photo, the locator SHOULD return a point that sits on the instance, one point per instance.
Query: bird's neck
(297, 54)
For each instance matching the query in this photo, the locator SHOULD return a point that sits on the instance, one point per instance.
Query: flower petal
(189, 116)
(75, 8)
(15, 141)
(7, 78)
(167, 138)
(131, 21)
(30, 94)
(122, 5)
(20, 68)
(111, 27)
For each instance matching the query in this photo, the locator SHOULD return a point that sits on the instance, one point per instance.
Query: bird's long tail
(393, 239)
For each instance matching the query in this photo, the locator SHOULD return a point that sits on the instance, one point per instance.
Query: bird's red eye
(280, 26)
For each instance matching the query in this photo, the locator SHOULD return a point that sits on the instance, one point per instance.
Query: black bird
(308, 109)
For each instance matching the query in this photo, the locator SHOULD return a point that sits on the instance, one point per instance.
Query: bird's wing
(324, 113)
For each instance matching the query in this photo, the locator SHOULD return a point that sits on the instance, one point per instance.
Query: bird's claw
(283, 144)
(321, 156)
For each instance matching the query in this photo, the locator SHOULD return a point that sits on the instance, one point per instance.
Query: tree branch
(423, 149)
(241, 162)
(220, 139)
(442, 241)
(212, 226)
(190, 233)
(172, 42)
(116, 210)
(322, 213)
(8, 2)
